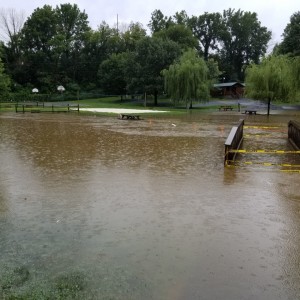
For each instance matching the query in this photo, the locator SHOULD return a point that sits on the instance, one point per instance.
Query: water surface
(145, 209)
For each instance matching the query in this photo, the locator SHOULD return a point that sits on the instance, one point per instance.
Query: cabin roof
(228, 84)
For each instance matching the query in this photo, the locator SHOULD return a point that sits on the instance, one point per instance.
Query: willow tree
(272, 79)
(187, 79)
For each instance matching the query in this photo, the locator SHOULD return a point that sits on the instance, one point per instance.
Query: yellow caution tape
(263, 127)
(267, 164)
(262, 135)
(265, 151)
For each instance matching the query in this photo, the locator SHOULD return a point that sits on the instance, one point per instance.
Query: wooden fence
(36, 107)
(294, 134)
(233, 142)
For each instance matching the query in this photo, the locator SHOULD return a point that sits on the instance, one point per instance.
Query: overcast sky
(274, 14)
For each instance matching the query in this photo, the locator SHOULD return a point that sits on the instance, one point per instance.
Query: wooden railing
(45, 107)
(233, 142)
(294, 134)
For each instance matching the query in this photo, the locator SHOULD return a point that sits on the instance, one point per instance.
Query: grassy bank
(112, 102)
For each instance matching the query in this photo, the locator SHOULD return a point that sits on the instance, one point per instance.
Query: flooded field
(101, 208)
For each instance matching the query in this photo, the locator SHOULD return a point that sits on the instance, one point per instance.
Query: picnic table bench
(250, 111)
(129, 117)
(225, 107)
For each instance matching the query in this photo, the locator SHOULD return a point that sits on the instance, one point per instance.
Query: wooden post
(234, 141)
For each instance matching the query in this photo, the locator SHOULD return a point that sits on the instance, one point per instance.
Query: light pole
(35, 91)
(61, 89)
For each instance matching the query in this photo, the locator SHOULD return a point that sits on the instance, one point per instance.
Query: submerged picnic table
(225, 107)
(250, 111)
(129, 117)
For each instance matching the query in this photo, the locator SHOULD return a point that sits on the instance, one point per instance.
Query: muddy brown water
(146, 210)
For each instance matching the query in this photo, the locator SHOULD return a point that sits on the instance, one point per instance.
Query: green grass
(116, 102)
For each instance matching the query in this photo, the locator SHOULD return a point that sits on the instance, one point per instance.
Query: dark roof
(228, 84)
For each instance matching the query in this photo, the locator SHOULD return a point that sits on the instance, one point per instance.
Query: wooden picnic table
(250, 111)
(225, 107)
(129, 117)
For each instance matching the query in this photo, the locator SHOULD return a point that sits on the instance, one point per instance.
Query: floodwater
(145, 209)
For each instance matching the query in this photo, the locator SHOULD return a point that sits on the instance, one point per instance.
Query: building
(228, 89)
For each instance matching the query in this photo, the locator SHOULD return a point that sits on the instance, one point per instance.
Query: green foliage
(290, 44)
(131, 36)
(159, 21)
(213, 70)
(187, 79)
(57, 46)
(179, 34)
(144, 67)
(52, 40)
(275, 78)
(4, 82)
(207, 28)
(112, 74)
(244, 41)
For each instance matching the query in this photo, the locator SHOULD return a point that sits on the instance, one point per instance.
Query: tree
(291, 37)
(112, 74)
(98, 46)
(207, 28)
(151, 56)
(180, 34)
(243, 42)
(187, 80)
(159, 21)
(4, 82)
(272, 79)
(11, 23)
(72, 27)
(132, 35)
(52, 40)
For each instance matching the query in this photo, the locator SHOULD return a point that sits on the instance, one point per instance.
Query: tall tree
(99, 45)
(180, 34)
(112, 74)
(243, 42)
(38, 47)
(151, 56)
(159, 21)
(187, 80)
(132, 35)
(52, 40)
(72, 27)
(291, 36)
(11, 23)
(207, 28)
(4, 82)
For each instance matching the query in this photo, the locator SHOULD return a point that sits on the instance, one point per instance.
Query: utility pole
(117, 24)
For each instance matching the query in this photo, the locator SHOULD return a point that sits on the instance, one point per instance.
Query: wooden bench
(250, 111)
(225, 107)
(129, 117)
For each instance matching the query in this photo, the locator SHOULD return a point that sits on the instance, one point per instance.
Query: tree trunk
(269, 104)
(155, 98)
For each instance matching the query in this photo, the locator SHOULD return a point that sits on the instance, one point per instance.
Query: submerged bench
(129, 117)
(225, 107)
(250, 111)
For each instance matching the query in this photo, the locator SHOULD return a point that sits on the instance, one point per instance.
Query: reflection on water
(145, 209)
